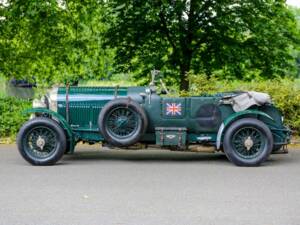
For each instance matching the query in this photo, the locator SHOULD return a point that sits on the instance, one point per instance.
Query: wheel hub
(122, 121)
(248, 143)
(40, 142)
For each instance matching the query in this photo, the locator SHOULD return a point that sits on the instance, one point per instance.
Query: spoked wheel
(41, 141)
(122, 122)
(248, 142)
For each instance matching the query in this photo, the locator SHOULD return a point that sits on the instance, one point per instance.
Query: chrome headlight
(39, 103)
(52, 99)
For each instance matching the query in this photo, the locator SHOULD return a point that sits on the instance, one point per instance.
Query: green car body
(171, 122)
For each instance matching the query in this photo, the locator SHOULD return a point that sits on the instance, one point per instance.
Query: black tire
(54, 141)
(260, 137)
(134, 110)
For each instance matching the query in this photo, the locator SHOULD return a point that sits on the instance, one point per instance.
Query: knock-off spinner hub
(248, 143)
(40, 142)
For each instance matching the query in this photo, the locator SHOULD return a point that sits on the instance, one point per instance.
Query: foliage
(296, 51)
(122, 80)
(59, 41)
(11, 116)
(2, 87)
(238, 39)
(52, 42)
(285, 93)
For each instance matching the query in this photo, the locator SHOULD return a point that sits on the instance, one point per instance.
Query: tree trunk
(184, 82)
(185, 68)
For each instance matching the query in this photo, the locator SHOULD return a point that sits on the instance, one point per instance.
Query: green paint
(237, 115)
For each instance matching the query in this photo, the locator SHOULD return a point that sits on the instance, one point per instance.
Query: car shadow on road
(90, 155)
(144, 155)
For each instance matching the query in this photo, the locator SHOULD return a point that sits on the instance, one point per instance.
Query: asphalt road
(148, 187)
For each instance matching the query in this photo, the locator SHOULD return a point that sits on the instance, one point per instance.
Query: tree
(53, 42)
(296, 51)
(235, 37)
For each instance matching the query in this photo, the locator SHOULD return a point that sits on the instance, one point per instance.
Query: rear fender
(226, 123)
(60, 119)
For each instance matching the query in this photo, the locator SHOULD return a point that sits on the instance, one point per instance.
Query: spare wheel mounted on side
(122, 122)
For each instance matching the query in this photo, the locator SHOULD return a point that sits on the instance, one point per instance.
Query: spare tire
(122, 122)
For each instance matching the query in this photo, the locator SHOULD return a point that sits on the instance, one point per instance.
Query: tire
(122, 122)
(248, 142)
(41, 141)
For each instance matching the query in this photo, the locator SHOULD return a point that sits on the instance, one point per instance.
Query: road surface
(150, 187)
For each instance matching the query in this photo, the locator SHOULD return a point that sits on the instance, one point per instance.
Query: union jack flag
(173, 109)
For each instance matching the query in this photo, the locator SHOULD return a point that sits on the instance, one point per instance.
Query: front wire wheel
(41, 141)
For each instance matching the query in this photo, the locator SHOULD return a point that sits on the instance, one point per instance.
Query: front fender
(235, 117)
(61, 120)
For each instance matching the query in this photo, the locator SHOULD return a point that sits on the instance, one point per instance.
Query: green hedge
(11, 117)
(285, 93)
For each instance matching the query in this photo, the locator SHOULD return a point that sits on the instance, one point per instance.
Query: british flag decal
(173, 109)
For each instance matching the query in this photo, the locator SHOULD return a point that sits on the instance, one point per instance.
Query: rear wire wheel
(248, 142)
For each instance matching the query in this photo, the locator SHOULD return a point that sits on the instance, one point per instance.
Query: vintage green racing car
(244, 125)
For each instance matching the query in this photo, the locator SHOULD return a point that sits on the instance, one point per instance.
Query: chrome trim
(219, 135)
(204, 138)
(52, 97)
(39, 103)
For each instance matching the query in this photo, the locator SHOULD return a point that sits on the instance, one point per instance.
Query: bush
(11, 117)
(285, 93)
(2, 86)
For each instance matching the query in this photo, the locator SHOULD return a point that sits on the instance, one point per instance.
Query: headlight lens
(52, 99)
(39, 103)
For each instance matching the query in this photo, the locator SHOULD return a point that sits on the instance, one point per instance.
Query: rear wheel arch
(235, 117)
